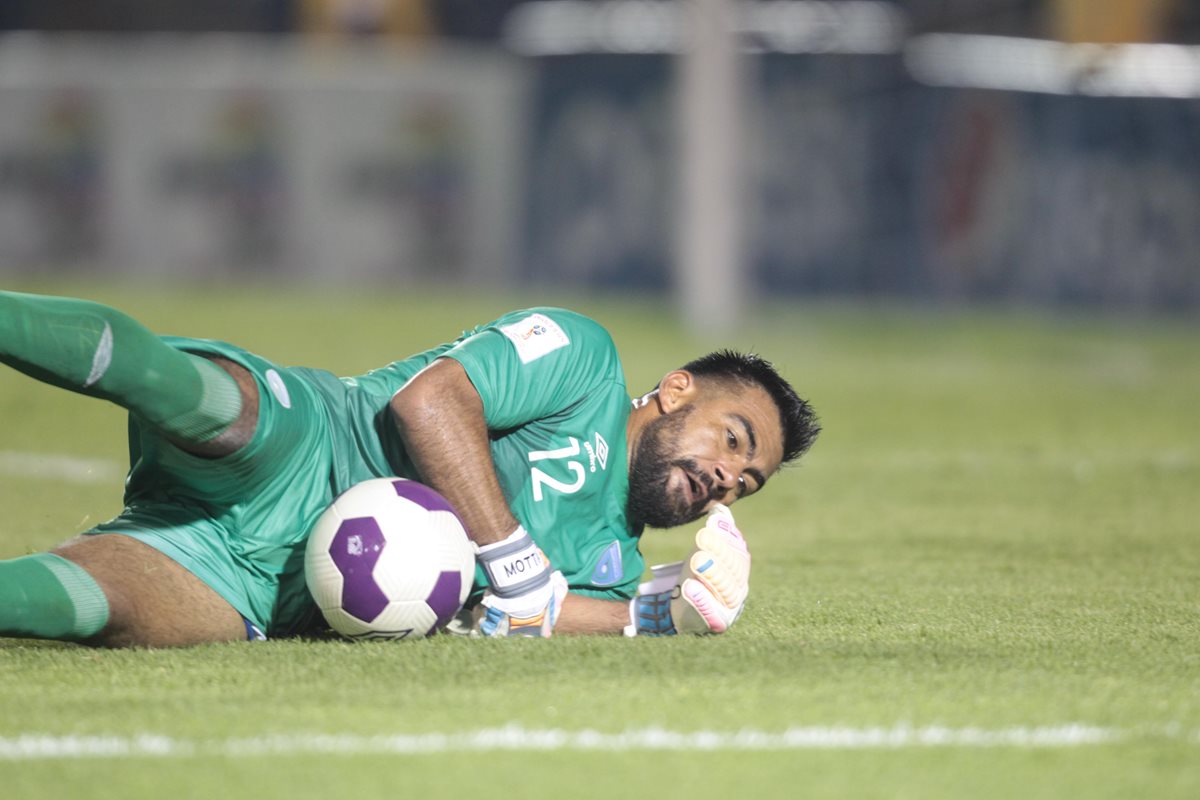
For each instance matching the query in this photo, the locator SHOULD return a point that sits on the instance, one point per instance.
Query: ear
(675, 390)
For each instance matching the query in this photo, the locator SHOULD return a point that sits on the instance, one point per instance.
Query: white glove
(706, 593)
(525, 594)
(712, 598)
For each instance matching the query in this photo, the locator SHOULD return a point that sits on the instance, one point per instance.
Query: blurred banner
(864, 181)
(975, 168)
(219, 155)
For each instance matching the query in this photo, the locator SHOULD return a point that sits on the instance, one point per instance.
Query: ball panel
(455, 552)
(413, 615)
(344, 623)
(355, 549)
(324, 580)
(444, 597)
(410, 566)
(320, 573)
(423, 496)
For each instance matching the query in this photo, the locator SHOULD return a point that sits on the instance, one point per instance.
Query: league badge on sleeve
(535, 336)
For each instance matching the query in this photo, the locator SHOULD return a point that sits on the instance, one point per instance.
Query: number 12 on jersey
(541, 479)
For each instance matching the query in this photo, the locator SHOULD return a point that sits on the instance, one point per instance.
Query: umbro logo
(597, 454)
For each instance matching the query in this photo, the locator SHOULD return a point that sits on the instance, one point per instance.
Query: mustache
(701, 475)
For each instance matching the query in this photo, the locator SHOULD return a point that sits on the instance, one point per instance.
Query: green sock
(98, 351)
(45, 596)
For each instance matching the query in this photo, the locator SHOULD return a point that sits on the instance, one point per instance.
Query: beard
(650, 503)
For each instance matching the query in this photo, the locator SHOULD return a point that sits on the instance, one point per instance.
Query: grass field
(983, 582)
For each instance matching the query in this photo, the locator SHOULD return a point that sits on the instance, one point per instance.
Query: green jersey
(555, 402)
(556, 405)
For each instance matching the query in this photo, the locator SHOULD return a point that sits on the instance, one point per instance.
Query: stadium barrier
(876, 164)
(221, 155)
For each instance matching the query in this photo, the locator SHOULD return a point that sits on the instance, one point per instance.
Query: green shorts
(239, 523)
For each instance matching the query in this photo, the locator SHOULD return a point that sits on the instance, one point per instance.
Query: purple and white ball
(389, 559)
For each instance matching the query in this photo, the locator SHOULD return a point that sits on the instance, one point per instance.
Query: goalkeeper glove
(705, 594)
(525, 594)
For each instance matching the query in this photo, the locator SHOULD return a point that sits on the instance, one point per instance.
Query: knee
(242, 429)
(87, 553)
(153, 600)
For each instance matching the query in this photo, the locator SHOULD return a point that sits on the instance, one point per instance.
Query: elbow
(439, 393)
(411, 407)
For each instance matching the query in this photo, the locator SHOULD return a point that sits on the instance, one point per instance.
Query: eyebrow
(749, 434)
(759, 478)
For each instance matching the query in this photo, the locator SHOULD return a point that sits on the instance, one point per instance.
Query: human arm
(533, 381)
(440, 418)
(592, 615)
(704, 594)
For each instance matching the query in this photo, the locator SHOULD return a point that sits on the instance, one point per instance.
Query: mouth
(693, 489)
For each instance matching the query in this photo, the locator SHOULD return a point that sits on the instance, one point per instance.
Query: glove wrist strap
(650, 615)
(515, 565)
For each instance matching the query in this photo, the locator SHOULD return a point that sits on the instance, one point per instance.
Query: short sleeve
(535, 363)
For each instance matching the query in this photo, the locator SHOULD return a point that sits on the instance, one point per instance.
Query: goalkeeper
(524, 424)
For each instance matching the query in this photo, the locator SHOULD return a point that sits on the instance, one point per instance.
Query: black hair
(799, 421)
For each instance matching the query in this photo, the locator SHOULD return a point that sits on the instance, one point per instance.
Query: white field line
(30, 747)
(47, 466)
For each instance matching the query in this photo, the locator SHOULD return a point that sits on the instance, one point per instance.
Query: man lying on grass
(524, 424)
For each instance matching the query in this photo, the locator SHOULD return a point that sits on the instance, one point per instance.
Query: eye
(731, 439)
(742, 487)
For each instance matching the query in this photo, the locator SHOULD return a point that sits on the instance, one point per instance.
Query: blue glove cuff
(651, 614)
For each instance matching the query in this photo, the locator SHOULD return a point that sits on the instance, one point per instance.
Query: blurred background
(1032, 152)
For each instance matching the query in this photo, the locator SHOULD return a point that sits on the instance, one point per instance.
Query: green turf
(998, 529)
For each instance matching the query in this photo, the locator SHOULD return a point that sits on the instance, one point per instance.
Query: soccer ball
(389, 559)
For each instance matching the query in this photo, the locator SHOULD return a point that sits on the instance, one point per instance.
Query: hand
(706, 593)
(712, 598)
(525, 594)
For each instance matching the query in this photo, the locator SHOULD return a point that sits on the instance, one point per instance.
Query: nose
(724, 477)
